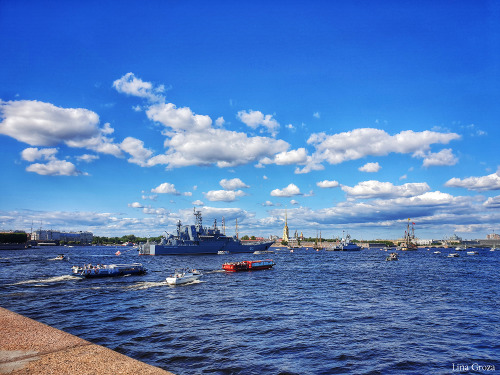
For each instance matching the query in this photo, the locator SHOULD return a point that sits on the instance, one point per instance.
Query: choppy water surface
(313, 313)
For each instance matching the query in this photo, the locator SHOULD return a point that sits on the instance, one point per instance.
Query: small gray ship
(196, 239)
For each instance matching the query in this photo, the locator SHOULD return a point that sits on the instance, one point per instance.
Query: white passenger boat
(108, 270)
(453, 255)
(183, 276)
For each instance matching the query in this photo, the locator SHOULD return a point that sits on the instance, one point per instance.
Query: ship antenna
(237, 228)
(223, 226)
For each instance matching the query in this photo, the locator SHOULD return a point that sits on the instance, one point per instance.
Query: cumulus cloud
(165, 188)
(484, 183)
(221, 147)
(87, 158)
(441, 158)
(32, 153)
(136, 149)
(54, 168)
(135, 205)
(370, 167)
(254, 119)
(325, 184)
(131, 85)
(43, 124)
(293, 202)
(198, 203)
(178, 119)
(298, 156)
(352, 145)
(233, 184)
(223, 195)
(377, 189)
(220, 121)
(290, 191)
(316, 115)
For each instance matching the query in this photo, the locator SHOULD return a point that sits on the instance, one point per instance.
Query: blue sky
(120, 117)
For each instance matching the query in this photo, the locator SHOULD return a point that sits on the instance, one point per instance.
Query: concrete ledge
(31, 347)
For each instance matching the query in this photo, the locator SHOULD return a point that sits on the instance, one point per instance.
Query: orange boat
(248, 265)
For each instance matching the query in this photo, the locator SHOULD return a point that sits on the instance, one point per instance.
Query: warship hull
(203, 248)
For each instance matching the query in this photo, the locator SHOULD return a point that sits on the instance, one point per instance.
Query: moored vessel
(248, 265)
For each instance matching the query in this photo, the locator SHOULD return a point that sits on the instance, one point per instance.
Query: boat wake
(48, 280)
(145, 285)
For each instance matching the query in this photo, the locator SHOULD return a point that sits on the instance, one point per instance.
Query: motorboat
(183, 276)
(108, 270)
(392, 256)
(453, 255)
(60, 257)
(437, 252)
(248, 265)
(472, 252)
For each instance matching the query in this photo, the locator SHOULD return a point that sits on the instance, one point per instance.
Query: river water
(315, 312)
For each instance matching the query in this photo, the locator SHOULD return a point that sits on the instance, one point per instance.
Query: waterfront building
(57, 237)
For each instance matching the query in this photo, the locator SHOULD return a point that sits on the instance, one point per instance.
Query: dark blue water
(313, 313)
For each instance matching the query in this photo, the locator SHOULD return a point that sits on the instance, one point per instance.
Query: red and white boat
(248, 265)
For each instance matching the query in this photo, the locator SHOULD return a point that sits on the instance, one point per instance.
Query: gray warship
(196, 239)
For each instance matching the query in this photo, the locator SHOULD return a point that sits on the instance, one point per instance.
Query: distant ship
(195, 239)
(347, 245)
(408, 243)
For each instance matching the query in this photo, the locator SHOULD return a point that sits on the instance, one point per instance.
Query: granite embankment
(31, 347)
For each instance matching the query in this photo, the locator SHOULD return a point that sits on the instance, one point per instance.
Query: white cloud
(327, 184)
(135, 205)
(130, 85)
(233, 184)
(178, 119)
(87, 158)
(377, 189)
(43, 124)
(289, 191)
(316, 115)
(484, 183)
(223, 195)
(32, 153)
(216, 146)
(198, 203)
(268, 203)
(298, 156)
(254, 119)
(220, 121)
(352, 145)
(135, 148)
(370, 167)
(54, 168)
(293, 202)
(165, 188)
(492, 202)
(441, 158)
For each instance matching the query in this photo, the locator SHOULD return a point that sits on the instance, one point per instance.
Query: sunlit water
(313, 313)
